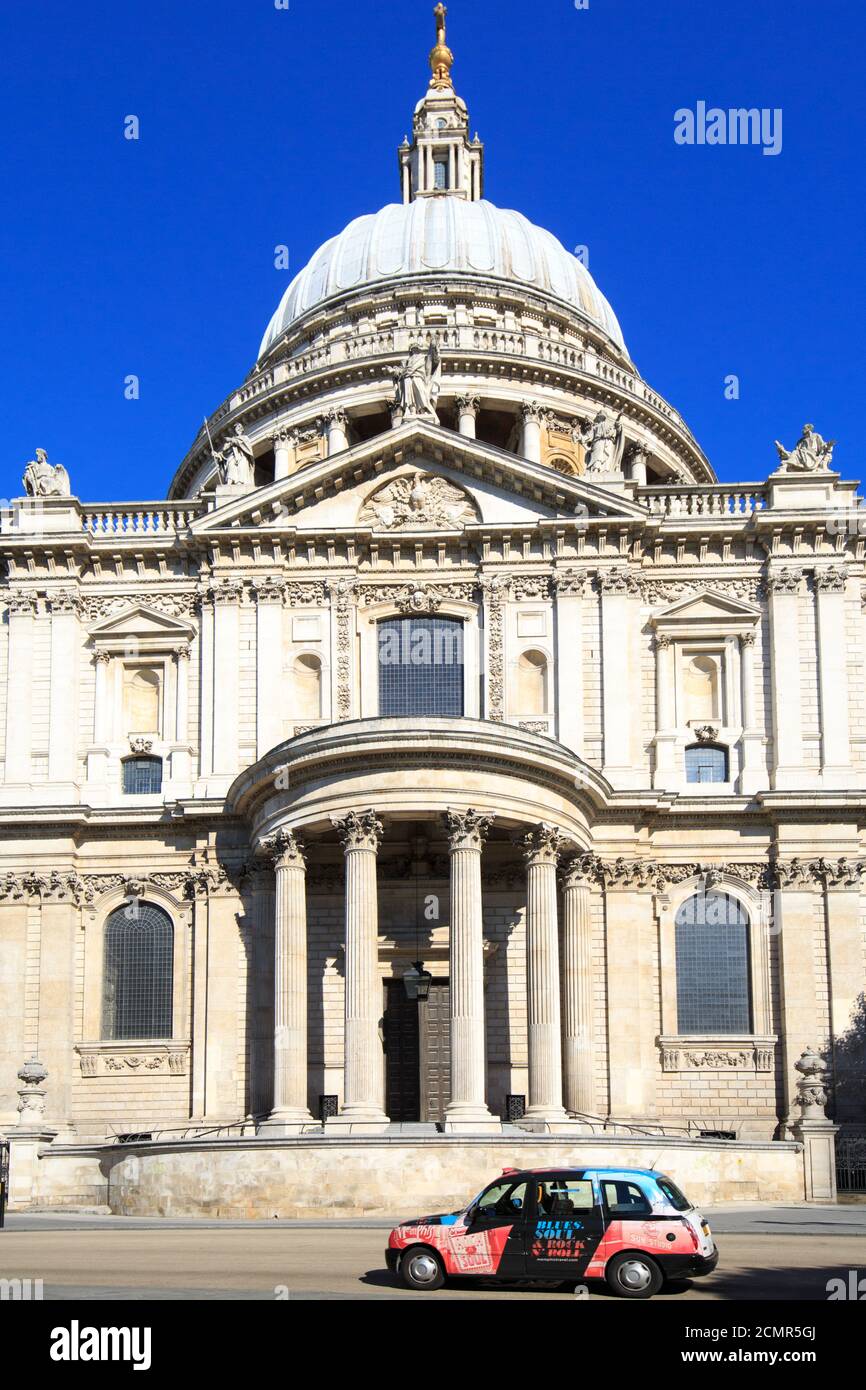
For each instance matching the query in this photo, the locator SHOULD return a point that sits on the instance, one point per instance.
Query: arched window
(142, 776)
(308, 686)
(532, 683)
(138, 973)
(421, 667)
(706, 762)
(712, 948)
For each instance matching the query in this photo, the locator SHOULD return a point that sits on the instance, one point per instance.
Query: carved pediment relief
(418, 501)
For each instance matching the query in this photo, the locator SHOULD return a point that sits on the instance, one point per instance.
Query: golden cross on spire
(441, 57)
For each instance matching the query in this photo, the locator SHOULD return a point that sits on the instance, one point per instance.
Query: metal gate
(851, 1162)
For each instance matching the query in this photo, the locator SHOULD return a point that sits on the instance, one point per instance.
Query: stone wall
(398, 1178)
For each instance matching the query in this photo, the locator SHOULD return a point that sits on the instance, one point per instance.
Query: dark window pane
(142, 776)
(421, 667)
(626, 1198)
(712, 943)
(441, 171)
(138, 973)
(706, 763)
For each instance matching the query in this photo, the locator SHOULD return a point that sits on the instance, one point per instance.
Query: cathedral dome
(443, 235)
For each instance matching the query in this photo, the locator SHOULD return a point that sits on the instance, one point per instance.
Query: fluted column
(284, 442)
(532, 416)
(467, 415)
(467, 1109)
(360, 833)
(577, 987)
(337, 422)
(290, 1112)
(541, 848)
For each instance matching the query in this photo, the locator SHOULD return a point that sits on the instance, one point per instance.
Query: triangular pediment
(706, 607)
(461, 483)
(141, 624)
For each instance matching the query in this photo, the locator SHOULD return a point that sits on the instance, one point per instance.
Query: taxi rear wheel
(633, 1275)
(420, 1268)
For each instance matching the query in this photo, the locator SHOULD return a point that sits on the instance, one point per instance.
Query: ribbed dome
(443, 235)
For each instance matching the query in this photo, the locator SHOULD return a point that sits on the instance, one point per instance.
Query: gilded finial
(441, 57)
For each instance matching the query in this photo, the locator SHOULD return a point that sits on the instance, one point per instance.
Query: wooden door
(435, 1049)
(402, 1055)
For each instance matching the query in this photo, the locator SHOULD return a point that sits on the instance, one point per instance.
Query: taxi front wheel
(633, 1275)
(421, 1269)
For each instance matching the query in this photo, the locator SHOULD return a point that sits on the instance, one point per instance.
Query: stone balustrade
(148, 519)
(715, 499)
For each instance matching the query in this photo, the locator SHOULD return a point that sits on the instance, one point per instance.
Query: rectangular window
(706, 764)
(142, 776)
(561, 1198)
(441, 172)
(421, 667)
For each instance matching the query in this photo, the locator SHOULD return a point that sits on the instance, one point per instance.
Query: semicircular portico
(380, 804)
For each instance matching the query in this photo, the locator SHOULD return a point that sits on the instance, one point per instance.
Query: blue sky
(262, 126)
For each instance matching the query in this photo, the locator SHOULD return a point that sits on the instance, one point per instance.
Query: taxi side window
(503, 1199)
(560, 1198)
(625, 1198)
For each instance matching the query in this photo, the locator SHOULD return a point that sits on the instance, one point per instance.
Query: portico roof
(413, 768)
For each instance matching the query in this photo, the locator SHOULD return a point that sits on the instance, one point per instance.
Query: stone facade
(620, 611)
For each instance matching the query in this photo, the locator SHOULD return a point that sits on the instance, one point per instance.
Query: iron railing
(851, 1162)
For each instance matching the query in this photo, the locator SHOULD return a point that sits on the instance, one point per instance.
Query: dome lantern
(442, 158)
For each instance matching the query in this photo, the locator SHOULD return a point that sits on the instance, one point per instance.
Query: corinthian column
(532, 416)
(290, 1112)
(467, 415)
(467, 1109)
(577, 986)
(360, 833)
(541, 849)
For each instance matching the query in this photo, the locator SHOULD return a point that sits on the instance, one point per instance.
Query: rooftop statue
(604, 441)
(236, 461)
(419, 383)
(441, 57)
(811, 453)
(44, 479)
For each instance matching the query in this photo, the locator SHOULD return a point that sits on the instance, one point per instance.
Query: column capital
(284, 850)
(542, 844)
(468, 404)
(582, 871)
(225, 590)
(467, 829)
(21, 602)
(68, 601)
(359, 830)
(785, 581)
(831, 580)
(269, 588)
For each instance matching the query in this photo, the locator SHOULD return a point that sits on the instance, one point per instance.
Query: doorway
(417, 1053)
